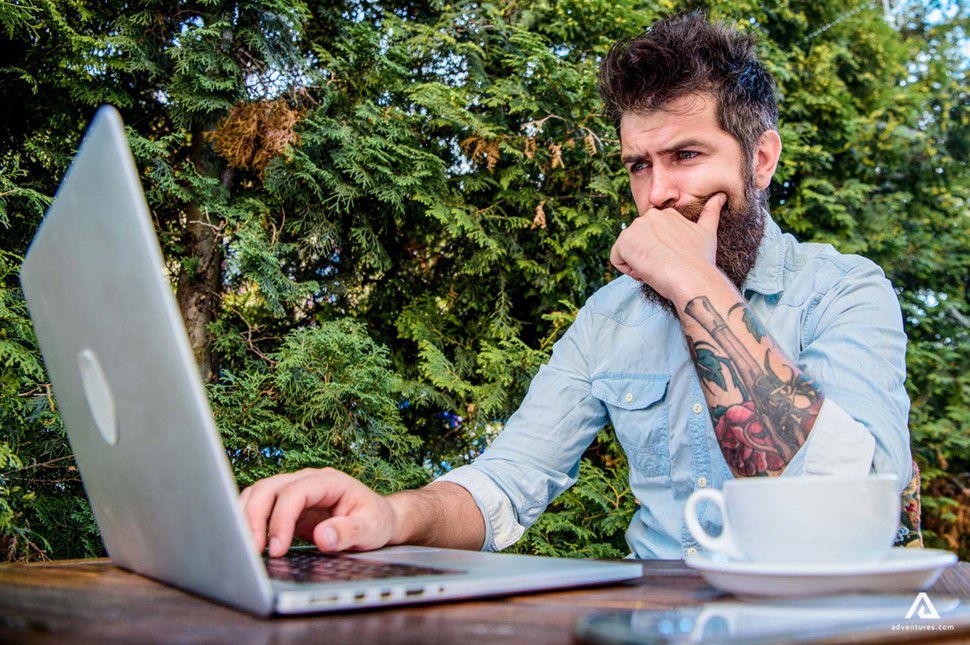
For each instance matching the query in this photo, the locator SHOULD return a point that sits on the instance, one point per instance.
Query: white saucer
(902, 570)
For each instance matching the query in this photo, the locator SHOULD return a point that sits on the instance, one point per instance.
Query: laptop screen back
(127, 386)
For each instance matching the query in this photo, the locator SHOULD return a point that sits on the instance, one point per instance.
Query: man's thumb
(326, 536)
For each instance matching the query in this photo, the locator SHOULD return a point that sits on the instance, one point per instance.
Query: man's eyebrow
(633, 157)
(637, 157)
(684, 145)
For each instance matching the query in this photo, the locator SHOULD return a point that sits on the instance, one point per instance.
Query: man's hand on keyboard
(327, 507)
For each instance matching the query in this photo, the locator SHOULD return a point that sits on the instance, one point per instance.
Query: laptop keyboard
(313, 566)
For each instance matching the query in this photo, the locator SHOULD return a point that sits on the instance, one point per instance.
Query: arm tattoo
(763, 430)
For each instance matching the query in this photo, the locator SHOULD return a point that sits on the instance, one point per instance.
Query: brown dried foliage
(480, 149)
(556, 150)
(539, 221)
(253, 134)
(530, 147)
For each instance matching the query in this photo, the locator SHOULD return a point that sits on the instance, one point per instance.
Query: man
(726, 350)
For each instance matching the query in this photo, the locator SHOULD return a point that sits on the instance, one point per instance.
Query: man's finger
(322, 489)
(258, 501)
(617, 259)
(710, 216)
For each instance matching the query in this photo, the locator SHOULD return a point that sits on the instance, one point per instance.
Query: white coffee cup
(832, 520)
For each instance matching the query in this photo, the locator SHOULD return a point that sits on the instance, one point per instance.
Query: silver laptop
(146, 445)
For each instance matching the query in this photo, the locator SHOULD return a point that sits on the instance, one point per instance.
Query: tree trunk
(200, 277)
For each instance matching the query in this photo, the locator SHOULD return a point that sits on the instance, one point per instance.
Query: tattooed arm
(762, 405)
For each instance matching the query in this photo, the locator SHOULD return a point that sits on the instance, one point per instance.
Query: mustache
(692, 210)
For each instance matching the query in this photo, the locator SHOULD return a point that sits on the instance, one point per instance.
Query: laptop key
(313, 566)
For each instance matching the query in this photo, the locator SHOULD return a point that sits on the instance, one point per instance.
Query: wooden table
(93, 601)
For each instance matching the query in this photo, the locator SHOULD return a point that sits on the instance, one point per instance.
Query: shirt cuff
(837, 445)
(502, 528)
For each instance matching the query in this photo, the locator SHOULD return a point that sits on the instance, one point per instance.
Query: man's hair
(688, 54)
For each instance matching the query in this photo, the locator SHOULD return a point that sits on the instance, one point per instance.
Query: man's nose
(663, 190)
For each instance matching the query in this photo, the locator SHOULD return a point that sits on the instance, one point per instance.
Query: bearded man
(727, 348)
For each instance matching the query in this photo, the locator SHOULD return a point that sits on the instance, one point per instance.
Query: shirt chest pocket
(638, 409)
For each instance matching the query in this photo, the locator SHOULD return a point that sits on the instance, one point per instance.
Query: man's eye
(684, 155)
(638, 166)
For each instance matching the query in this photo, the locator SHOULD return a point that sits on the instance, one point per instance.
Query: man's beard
(739, 234)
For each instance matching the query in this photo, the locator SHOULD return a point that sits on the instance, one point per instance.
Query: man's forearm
(441, 514)
(762, 405)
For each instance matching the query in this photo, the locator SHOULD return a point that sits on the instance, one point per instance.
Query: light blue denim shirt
(625, 361)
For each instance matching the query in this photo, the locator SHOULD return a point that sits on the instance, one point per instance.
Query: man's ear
(766, 158)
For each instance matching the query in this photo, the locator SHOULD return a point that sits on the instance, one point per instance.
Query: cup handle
(723, 543)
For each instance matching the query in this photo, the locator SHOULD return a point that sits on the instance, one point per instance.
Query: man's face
(678, 158)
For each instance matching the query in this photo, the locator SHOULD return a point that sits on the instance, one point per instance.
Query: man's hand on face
(666, 250)
(327, 507)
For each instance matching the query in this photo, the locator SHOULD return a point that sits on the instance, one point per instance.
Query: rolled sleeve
(501, 527)
(837, 445)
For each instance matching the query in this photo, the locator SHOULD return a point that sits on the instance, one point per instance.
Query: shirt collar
(766, 275)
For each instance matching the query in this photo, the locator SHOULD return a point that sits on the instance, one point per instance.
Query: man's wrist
(402, 531)
(697, 283)
(440, 514)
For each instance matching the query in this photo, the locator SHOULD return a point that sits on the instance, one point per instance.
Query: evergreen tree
(379, 216)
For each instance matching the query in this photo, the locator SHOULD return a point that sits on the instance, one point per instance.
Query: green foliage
(378, 217)
(17, 198)
(42, 506)
(326, 397)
